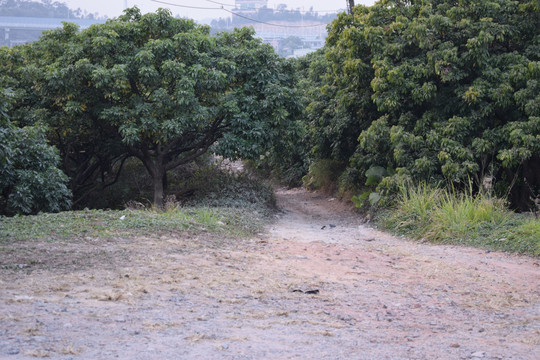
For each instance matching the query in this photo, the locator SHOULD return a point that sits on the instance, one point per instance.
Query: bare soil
(317, 285)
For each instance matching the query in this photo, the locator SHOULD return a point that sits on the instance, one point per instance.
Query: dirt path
(300, 291)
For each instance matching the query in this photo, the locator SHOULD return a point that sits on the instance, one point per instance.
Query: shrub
(30, 181)
(323, 175)
(446, 216)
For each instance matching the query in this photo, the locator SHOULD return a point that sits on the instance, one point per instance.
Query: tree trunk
(157, 171)
(158, 190)
(165, 181)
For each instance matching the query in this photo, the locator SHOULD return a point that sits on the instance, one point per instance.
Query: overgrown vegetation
(443, 216)
(219, 201)
(149, 87)
(29, 178)
(216, 186)
(437, 91)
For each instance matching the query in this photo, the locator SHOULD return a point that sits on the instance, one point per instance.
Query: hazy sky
(113, 8)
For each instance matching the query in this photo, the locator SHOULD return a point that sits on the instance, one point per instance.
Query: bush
(446, 216)
(30, 181)
(324, 175)
(435, 91)
(203, 183)
(216, 186)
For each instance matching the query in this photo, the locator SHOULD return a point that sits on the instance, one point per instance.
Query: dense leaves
(435, 90)
(153, 87)
(29, 178)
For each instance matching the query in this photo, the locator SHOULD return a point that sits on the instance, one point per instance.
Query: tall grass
(451, 217)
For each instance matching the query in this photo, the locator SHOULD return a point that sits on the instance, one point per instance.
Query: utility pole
(350, 5)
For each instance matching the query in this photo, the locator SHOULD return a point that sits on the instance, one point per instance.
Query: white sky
(113, 8)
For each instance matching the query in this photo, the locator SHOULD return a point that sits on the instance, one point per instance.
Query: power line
(220, 3)
(278, 25)
(239, 15)
(301, 12)
(188, 6)
(278, 10)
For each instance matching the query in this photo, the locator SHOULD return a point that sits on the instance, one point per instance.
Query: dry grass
(38, 353)
(69, 350)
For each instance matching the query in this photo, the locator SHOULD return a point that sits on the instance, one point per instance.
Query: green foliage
(289, 157)
(458, 216)
(374, 175)
(520, 235)
(440, 91)
(323, 175)
(444, 216)
(156, 88)
(29, 178)
(91, 151)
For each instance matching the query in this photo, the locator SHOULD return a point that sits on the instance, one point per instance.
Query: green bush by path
(323, 175)
(432, 91)
(443, 216)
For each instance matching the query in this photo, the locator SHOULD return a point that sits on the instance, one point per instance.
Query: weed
(462, 215)
(445, 216)
(213, 186)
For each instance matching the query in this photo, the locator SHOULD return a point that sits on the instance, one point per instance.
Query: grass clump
(445, 216)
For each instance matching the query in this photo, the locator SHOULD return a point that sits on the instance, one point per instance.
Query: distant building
(250, 5)
(21, 30)
(275, 26)
(312, 33)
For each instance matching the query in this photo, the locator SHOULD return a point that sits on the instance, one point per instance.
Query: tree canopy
(154, 87)
(433, 90)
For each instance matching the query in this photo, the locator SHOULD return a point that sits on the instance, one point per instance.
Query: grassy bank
(109, 224)
(443, 216)
(220, 202)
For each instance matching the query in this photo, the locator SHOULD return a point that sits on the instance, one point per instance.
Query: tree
(437, 90)
(164, 91)
(44, 95)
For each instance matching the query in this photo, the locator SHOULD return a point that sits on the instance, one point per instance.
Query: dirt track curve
(317, 285)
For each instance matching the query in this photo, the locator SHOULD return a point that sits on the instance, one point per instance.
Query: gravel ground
(317, 285)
